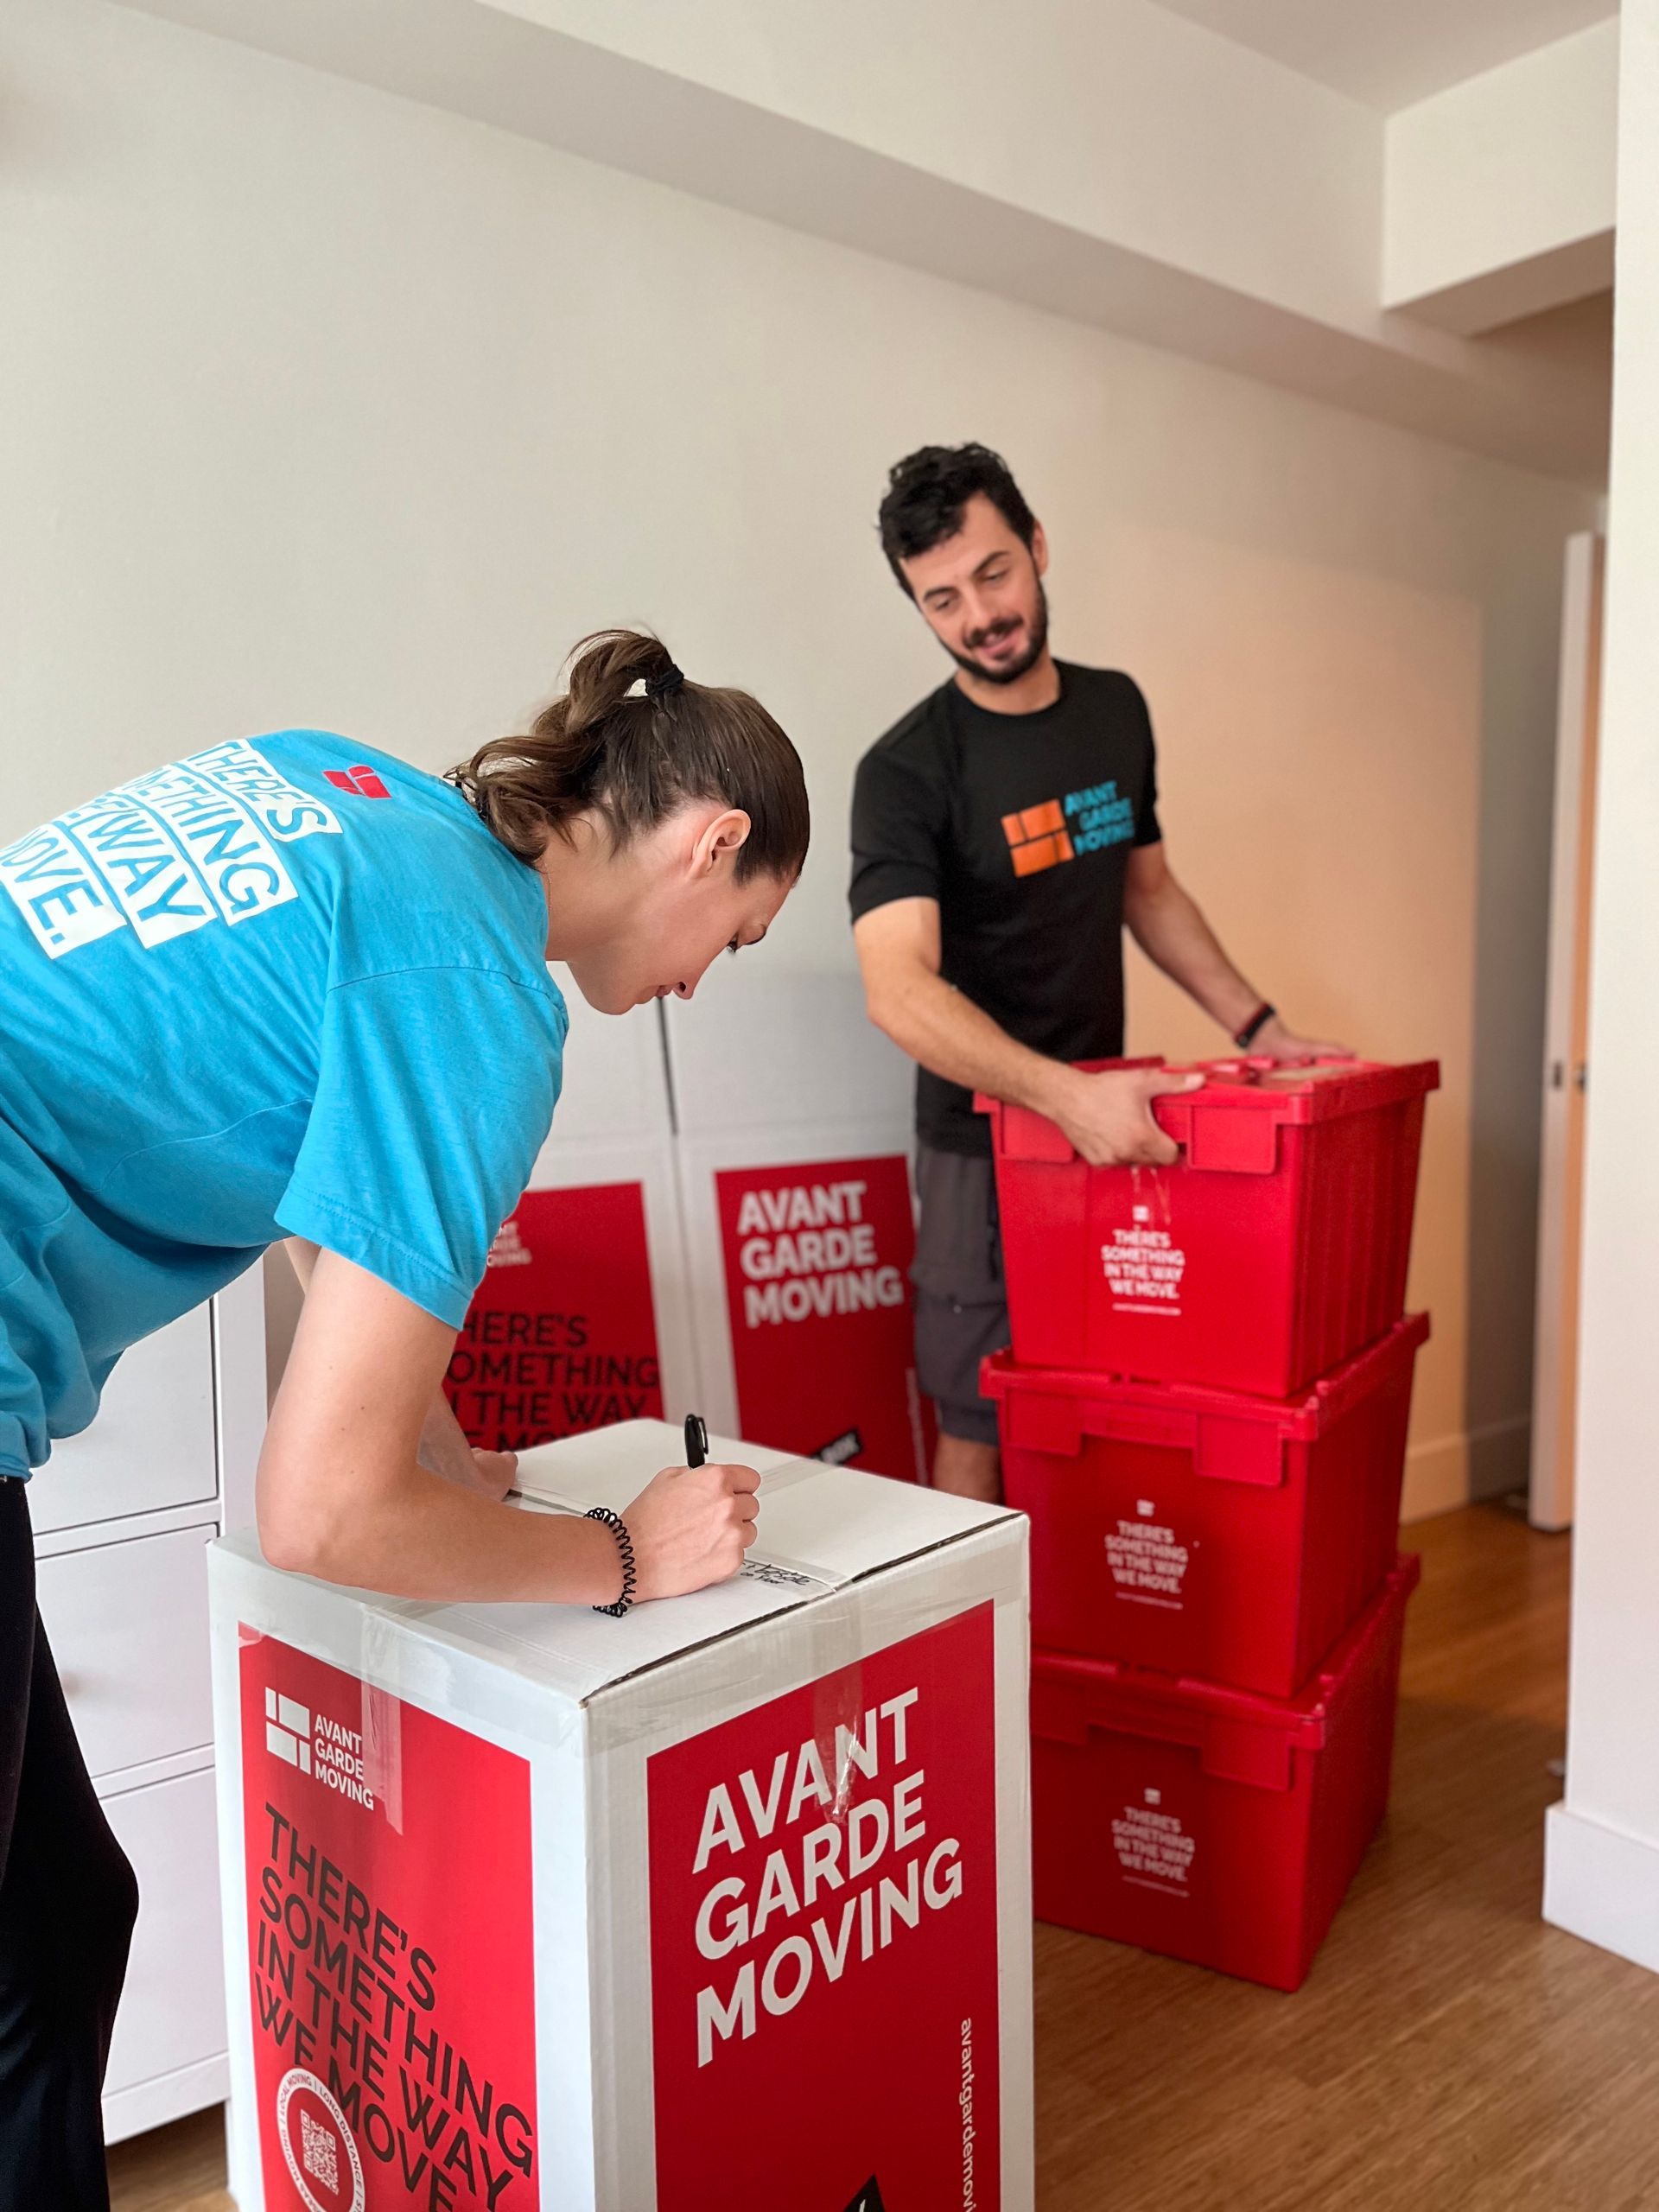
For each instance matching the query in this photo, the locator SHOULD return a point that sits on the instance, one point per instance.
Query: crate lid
(1100, 1397)
(1325, 1089)
(1274, 1094)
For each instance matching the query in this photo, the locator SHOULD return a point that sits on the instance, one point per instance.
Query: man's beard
(1015, 668)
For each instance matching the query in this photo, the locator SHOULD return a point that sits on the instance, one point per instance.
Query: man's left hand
(1275, 1042)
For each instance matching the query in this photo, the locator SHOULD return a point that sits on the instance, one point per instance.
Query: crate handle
(1234, 1751)
(1216, 1142)
(1222, 1449)
(1065, 1713)
(1233, 1450)
(1231, 1750)
(1058, 1425)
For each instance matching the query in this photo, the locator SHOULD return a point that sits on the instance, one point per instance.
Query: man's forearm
(952, 1037)
(1172, 932)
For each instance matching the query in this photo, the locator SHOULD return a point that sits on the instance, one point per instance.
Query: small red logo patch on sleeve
(361, 780)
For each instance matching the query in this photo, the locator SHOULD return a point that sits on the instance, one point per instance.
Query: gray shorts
(962, 1311)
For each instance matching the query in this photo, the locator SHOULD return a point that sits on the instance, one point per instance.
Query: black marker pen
(696, 1440)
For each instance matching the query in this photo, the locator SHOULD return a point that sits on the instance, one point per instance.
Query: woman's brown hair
(635, 758)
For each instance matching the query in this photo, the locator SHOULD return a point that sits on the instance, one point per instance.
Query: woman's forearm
(444, 1449)
(424, 1536)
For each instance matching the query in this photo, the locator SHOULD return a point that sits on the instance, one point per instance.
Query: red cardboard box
(725, 1903)
(561, 1336)
(583, 1315)
(1275, 1249)
(818, 1257)
(1200, 1532)
(1207, 1823)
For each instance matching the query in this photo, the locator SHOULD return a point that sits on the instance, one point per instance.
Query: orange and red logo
(1038, 837)
(360, 779)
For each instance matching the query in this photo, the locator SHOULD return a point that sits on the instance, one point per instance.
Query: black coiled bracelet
(618, 1528)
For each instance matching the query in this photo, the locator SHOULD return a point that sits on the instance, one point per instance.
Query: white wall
(318, 405)
(1111, 162)
(1115, 117)
(1500, 190)
(1604, 1842)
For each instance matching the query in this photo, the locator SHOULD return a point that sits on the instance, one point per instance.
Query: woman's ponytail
(631, 741)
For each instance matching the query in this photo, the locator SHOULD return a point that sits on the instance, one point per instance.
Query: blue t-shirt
(285, 987)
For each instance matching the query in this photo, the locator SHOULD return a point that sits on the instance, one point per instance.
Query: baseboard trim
(1448, 1471)
(1437, 1478)
(164, 2097)
(1602, 1886)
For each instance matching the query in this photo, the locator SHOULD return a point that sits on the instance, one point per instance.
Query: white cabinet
(167, 2057)
(128, 1626)
(152, 1444)
(123, 1516)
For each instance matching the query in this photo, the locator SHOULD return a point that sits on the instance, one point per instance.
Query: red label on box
(818, 1263)
(562, 1333)
(823, 1958)
(390, 1926)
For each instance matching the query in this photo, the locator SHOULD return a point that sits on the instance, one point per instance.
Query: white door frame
(1555, 1353)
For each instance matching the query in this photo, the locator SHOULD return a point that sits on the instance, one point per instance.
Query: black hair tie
(666, 682)
(618, 1528)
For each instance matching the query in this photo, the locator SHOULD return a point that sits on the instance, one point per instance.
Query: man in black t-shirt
(1003, 834)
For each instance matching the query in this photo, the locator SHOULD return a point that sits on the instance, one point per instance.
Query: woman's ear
(723, 838)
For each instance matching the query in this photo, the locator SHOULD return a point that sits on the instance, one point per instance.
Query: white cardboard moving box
(725, 1904)
(794, 1121)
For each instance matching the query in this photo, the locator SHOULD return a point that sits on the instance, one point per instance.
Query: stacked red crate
(1203, 1412)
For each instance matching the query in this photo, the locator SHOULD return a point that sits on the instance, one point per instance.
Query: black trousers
(68, 1899)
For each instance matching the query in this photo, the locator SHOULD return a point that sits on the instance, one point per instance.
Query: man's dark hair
(927, 491)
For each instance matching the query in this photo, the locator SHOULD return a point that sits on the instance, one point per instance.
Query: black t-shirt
(1020, 826)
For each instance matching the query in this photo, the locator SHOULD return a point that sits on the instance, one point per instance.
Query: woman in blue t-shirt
(286, 988)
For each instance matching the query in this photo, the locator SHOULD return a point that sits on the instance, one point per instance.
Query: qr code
(320, 2153)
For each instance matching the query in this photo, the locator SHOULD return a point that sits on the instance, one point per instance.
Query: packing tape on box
(477, 1666)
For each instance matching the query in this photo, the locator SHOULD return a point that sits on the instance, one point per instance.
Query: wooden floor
(1449, 2054)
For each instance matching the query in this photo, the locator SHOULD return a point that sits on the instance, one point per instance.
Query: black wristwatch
(1258, 1021)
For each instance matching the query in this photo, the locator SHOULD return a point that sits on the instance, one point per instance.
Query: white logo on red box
(1154, 1849)
(318, 1745)
(1148, 1562)
(807, 1249)
(1145, 1268)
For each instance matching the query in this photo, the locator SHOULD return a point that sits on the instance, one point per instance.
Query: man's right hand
(691, 1526)
(1108, 1117)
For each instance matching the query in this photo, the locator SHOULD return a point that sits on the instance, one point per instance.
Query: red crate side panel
(1133, 1839)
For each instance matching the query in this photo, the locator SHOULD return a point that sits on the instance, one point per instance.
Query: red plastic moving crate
(1274, 1251)
(1201, 1532)
(1206, 1823)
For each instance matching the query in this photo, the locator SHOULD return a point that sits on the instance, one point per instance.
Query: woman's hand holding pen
(691, 1526)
